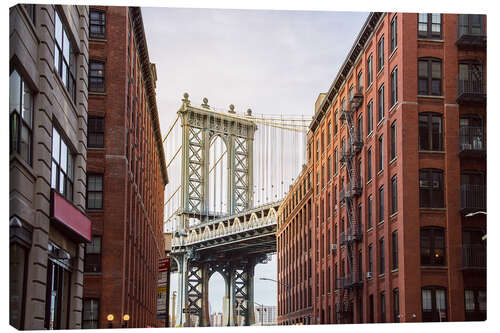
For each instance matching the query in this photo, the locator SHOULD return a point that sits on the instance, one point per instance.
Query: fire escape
(351, 281)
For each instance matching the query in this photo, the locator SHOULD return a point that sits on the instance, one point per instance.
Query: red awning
(72, 221)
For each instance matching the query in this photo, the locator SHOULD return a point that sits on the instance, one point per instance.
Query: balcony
(473, 256)
(472, 198)
(471, 88)
(345, 193)
(357, 187)
(345, 154)
(357, 144)
(356, 99)
(353, 234)
(471, 142)
(471, 32)
(350, 281)
(345, 114)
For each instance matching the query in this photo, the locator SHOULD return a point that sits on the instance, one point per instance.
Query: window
(96, 76)
(62, 166)
(381, 103)
(395, 256)
(90, 319)
(434, 304)
(394, 86)
(382, 307)
(360, 217)
(371, 309)
(381, 256)
(95, 132)
(94, 191)
(329, 133)
(380, 52)
(317, 150)
(360, 82)
(395, 300)
(470, 25)
(432, 246)
(394, 33)
(64, 57)
(431, 188)
(393, 141)
(58, 293)
(329, 168)
(370, 214)
(370, 258)
(93, 255)
(335, 125)
(381, 204)
(360, 128)
(335, 161)
(430, 131)
(369, 118)
(429, 76)
(470, 78)
(381, 153)
(97, 23)
(322, 142)
(369, 163)
(429, 25)
(369, 78)
(317, 182)
(475, 304)
(394, 194)
(21, 117)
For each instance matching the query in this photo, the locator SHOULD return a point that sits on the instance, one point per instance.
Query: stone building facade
(48, 59)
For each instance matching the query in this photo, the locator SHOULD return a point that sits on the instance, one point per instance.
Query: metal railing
(471, 139)
(473, 196)
(471, 86)
(473, 256)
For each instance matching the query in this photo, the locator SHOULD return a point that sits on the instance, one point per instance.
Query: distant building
(216, 319)
(265, 315)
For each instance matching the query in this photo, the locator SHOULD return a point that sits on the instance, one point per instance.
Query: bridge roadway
(231, 245)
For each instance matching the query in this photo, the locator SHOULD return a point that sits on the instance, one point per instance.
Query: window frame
(394, 86)
(369, 65)
(429, 78)
(380, 54)
(428, 33)
(99, 22)
(89, 175)
(432, 315)
(429, 255)
(92, 320)
(369, 118)
(430, 131)
(370, 211)
(394, 32)
(395, 250)
(18, 123)
(381, 254)
(96, 130)
(68, 192)
(394, 194)
(428, 174)
(380, 160)
(369, 166)
(380, 204)
(380, 103)
(99, 85)
(395, 302)
(65, 68)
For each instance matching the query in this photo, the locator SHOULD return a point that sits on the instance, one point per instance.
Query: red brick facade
(435, 127)
(132, 165)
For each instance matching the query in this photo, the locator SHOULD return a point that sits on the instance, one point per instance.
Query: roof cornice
(358, 46)
(142, 47)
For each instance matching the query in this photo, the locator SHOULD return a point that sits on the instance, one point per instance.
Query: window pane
(440, 300)
(436, 70)
(71, 164)
(62, 183)
(436, 18)
(469, 300)
(422, 27)
(64, 157)
(426, 300)
(53, 182)
(58, 30)
(422, 68)
(14, 92)
(55, 144)
(25, 144)
(27, 105)
(482, 300)
(66, 47)
(422, 18)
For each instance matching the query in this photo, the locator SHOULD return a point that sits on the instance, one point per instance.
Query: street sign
(164, 265)
(190, 311)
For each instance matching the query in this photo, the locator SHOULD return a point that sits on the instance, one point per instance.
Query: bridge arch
(218, 176)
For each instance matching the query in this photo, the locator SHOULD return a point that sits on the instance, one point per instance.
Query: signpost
(163, 288)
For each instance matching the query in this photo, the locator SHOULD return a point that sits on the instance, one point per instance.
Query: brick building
(48, 129)
(397, 153)
(126, 174)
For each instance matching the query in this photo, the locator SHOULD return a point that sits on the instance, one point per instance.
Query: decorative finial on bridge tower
(231, 109)
(249, 112)
(205, 103)
(186, 99)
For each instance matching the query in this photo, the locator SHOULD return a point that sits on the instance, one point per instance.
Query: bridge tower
(200, 126)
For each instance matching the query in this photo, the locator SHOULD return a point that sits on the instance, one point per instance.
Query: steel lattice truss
(240, 298)
(194, 289)
(195, 170)
(240, 175)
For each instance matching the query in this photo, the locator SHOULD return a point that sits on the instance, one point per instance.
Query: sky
(275, 62)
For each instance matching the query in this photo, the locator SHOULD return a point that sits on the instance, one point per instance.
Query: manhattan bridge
(234, 169)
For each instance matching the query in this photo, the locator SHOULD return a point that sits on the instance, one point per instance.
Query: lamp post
(476, 213)
(126, 318)
(289, 293)
(110, 318)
